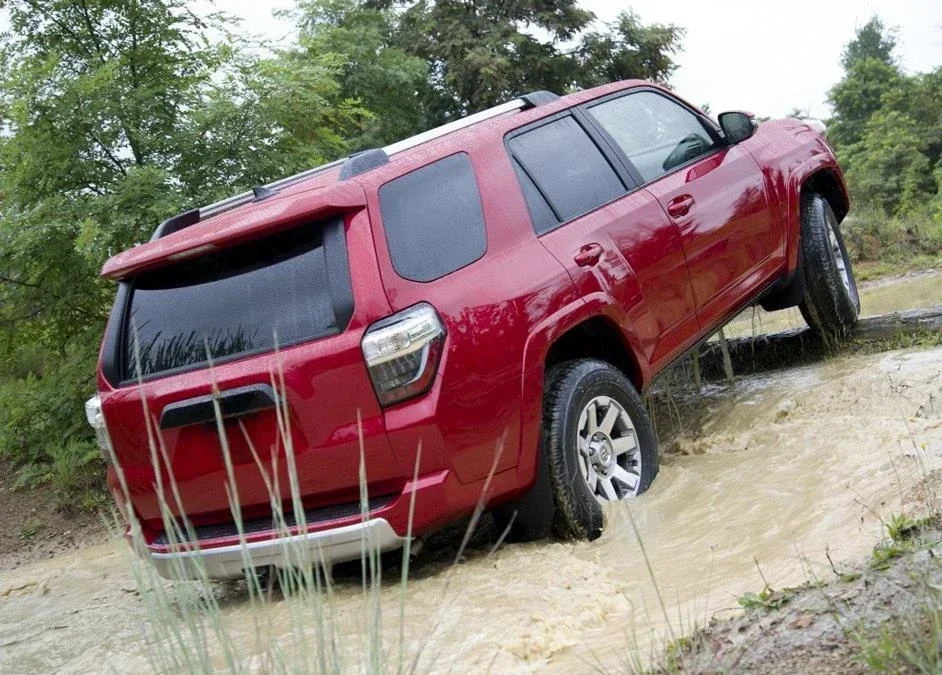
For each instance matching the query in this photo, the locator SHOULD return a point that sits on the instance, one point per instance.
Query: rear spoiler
(235, 226)
(230, 226)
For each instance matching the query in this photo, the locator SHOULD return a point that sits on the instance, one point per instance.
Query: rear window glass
(567, 167)
(433, 219)
(280, 290)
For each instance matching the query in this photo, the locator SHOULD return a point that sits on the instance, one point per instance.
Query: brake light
(402, 353)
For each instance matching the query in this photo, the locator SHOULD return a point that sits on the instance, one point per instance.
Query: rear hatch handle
(232, 403)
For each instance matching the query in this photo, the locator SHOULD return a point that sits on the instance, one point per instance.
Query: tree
(387, 81)
(873, 41)
(887, 126)
(116, 114)
(415, 63)
(888, 165)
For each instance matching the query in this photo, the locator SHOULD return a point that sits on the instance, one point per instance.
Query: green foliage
(873, 41)
(767, 599)
(417, 64)
(386, 79)
(46, 408)
(880, 244)
(903, 528)
(908, 644)
(889, 165)
(887, 127)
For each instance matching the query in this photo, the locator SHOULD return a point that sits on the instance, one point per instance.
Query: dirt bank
(33, 526)
(858, 619)
(779, 468)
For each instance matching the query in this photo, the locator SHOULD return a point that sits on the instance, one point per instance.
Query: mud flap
(788, 293)
(530, 518)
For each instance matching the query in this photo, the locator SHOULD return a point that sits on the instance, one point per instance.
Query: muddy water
(773, 471)
(914, 291)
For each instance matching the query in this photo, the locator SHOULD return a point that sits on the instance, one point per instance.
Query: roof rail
(437, 132)
(351, 166)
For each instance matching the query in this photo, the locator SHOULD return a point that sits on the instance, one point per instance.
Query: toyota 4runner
(469, 313)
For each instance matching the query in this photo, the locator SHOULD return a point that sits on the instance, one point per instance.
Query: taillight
(402, 353)
(97, 421)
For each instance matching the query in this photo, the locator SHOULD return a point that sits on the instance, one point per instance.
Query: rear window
(567, 168)
(433, 219)
(246, 299)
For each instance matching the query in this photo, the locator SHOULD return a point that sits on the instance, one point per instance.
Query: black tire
(829, 306)
(570, 387)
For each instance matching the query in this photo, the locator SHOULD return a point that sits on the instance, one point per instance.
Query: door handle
(588, 255)
(680, 206)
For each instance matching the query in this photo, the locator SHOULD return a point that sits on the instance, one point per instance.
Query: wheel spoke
(624, 444)
(608, 489)
(610, 417)
(592, 480)
(592, 422)
(629, 479)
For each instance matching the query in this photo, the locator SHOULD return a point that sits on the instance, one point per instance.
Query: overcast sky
(761, 56)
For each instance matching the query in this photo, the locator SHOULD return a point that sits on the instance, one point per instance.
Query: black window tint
(433, 219)
(567, 166)
(656, 133)
(541, 214)
(280, 290)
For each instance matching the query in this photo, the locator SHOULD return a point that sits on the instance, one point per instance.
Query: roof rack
(350, 166)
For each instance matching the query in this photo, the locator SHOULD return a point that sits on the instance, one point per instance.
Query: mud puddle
(774, 470)
(917, 290)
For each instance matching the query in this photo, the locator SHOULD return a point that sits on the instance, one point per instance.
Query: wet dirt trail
(778, 468)
(917, 290)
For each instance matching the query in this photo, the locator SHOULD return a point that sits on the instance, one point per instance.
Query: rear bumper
(300, 550)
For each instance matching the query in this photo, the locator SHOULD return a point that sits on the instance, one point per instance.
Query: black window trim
(619, 155)
(627, 177)
(114, 367)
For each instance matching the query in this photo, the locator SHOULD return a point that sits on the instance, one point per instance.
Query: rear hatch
(263, 319)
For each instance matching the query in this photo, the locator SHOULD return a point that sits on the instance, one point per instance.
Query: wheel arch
(600, 338)
(819, 174)
(828, 183)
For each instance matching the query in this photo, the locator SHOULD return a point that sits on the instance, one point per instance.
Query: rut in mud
(778, 469)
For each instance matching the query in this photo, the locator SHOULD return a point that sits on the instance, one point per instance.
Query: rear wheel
(831, 302)
(598, 442)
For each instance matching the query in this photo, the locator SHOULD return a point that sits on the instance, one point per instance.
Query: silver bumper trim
(331, 546)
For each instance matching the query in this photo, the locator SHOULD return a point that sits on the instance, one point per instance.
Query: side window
(559, 162)
(655, 133)
(433, 219)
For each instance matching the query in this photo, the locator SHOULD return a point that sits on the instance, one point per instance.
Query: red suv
(472, 309)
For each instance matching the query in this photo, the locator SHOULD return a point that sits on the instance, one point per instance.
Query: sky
(764, 57)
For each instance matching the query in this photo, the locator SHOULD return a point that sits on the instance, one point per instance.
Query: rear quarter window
(433, 219)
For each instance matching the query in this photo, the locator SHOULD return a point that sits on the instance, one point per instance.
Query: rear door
(274, 315)
(713, 192)
(611, 237)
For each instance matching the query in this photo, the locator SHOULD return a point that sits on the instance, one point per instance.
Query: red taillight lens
(402, 353)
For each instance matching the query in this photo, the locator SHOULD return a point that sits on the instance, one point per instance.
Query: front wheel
(598, 443)
(831, 303)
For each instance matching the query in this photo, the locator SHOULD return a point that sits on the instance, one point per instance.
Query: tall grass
(293, 623)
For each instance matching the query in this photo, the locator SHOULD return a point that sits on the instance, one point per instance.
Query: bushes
(879, 244)
(43, 431)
